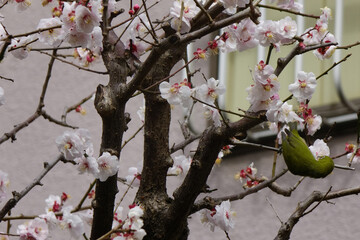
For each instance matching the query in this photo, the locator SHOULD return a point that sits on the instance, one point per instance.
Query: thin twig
(152, 32)
(320, 201)
(133, 136)
(277, 215)
(8, 79)
(126, 191)
(17, 196)
(346, 47)
(288, 11)
(77, 66)
(240, 143)
(53, 120)
(223, 110)
(334, 65)
(73, 107)
(204, 11)
(85, 195)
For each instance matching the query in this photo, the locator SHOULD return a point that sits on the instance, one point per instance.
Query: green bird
(299, 158)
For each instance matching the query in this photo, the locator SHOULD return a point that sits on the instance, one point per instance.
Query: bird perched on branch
(300, 160)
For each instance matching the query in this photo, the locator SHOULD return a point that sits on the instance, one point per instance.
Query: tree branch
(287, 227)
(17, 196)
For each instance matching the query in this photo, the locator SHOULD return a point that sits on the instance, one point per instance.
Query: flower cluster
(247, 174)
(132, 226)
(264, 92)
(220, 216)
(76, 23)
(76, 146)
(181, 93)
(57, 215)
(34, 229)
(320, 34)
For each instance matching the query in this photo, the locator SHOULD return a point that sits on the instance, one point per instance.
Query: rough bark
(152, 194)
(110, 104)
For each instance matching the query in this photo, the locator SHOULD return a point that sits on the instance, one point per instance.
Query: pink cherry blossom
(304, 86)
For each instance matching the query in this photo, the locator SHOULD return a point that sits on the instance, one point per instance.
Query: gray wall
(23, 159)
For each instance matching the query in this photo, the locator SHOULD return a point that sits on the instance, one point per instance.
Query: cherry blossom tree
(141, 53)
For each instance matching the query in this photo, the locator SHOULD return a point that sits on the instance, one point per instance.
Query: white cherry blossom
(73, 144)
(190, 10)
(213, 114)
(85, 19)
(87, 163)
(210, 91)
(304, 86)
(73, 222)
(108, 166)
(178, 93)
(319, 149)
(133, 172)
(53, 204)
(34, 229)
(181, 165)
(53, 36)
(220, 217)
(326, 52)
(282, 112)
